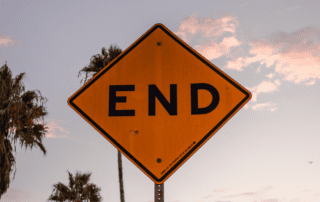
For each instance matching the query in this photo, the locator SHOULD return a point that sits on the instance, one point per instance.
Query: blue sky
(260, 155)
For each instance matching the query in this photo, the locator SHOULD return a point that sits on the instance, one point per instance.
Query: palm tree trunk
(120, 177)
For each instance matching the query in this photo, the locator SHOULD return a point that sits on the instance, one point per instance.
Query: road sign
(159, 102)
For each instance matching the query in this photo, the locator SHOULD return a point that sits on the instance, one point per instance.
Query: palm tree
(97, 62)
(78, 190)
(18, 112)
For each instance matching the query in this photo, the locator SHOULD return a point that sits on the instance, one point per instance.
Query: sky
(268, 152)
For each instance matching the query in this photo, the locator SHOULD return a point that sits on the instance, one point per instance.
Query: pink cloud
(7, 40)
(215, 50)
(211, 50)
(295, 56)
(299, 66)
(277, 82)
(230, 42)
(237, 64)
(264, 106)
(263, 87)
(210, 29)
(270, 75)
(50, 127)
(52, 133)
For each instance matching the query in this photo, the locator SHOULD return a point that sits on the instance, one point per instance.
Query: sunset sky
(268, 152)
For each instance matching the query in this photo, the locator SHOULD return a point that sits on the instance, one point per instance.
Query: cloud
(215, 50)
(52, 133)
(295, 56)
(50, 127)
(264, 87)
(264, 106)
(211, 30)
(291, 57)
(230, 42)
(270, 75)
(7, 40)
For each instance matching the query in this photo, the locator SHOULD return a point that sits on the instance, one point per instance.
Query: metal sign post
(158, 192)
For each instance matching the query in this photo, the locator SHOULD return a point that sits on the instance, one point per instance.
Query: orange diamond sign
(159, 102)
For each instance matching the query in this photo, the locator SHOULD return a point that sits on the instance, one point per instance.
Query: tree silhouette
(79, 190)
(19, 110)
(97, 63)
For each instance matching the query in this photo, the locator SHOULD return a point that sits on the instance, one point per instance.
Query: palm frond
(18, 110)
(71, 180)
(79, 189)
(96, 62)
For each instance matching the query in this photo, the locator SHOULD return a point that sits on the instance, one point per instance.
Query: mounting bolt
(159, 160)
(159, 43)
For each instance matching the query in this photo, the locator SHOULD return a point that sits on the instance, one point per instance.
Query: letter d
(194, 98)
